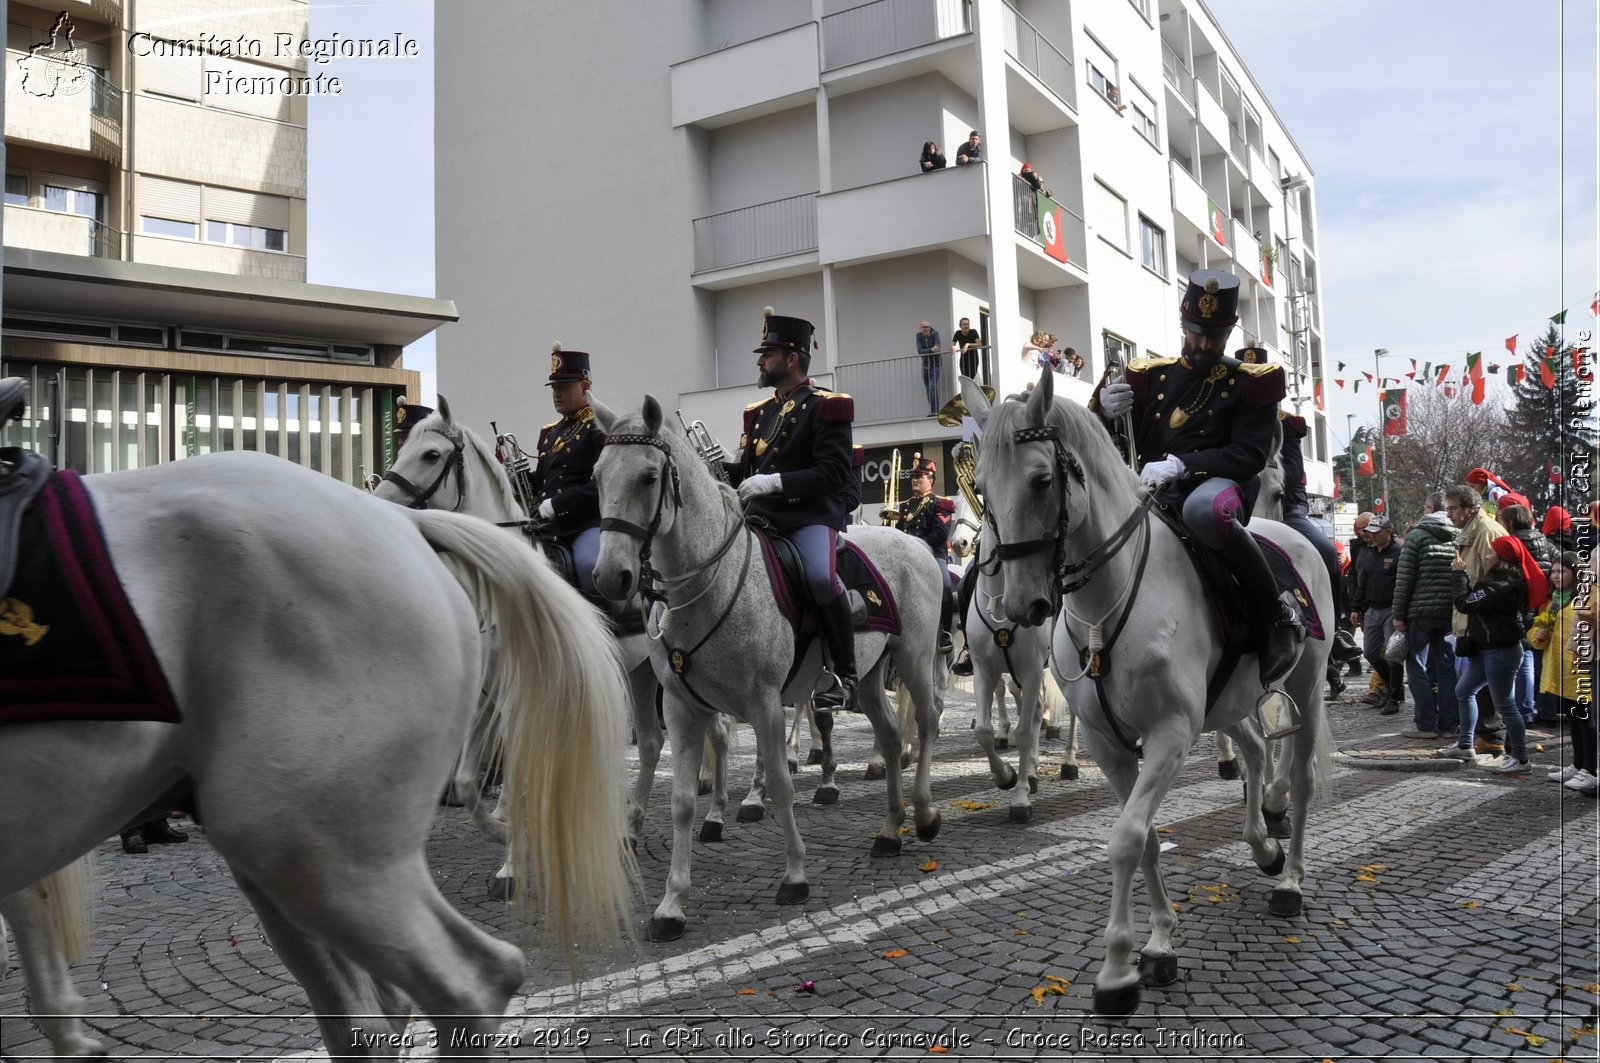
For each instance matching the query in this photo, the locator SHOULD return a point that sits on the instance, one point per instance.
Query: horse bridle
(455, 462)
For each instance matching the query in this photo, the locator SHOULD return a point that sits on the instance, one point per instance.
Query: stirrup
(1284, 721)
(838, 696)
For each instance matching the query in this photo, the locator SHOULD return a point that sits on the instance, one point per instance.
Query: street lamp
(1383, 429)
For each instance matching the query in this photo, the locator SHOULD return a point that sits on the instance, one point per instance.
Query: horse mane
(688, 459)
(475, 450)
(1083, 435)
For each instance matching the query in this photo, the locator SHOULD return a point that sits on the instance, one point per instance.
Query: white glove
(1159, 472)
(1116, 399)
(762, 483)
(547, 510)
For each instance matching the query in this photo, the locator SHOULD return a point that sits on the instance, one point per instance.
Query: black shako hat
(1210, 306)
(567, 365)
(786, 334)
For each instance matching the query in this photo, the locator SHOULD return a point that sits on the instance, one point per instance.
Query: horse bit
(454, 463)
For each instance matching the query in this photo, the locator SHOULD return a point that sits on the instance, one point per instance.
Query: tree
(1550, 426)
(1446, 436)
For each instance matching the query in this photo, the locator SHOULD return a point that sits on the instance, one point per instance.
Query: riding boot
(839, 642)
(1278, 629)
(947, 607)
(969, 581)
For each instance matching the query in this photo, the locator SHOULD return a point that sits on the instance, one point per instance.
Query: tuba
(889, 515)
(952, 412)
(964, 460)
(706, 445)
(517, 467)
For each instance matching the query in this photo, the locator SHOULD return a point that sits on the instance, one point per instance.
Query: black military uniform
(567, 451)
(927, 517)
(1219, 421)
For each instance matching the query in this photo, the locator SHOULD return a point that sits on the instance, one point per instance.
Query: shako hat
(407, 415)
(1210, 305)
(921, 466)
(567, 365)
(1252, 355)
(786, 334)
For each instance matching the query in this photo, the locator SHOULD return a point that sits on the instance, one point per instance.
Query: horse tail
(68, 902)
(1323, 751)
(560, 694)
(481, 754)
(1055, 702)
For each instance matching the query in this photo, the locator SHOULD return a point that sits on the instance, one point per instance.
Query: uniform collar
(805, 382)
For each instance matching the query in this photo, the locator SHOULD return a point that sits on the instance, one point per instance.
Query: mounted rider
(566, 498)
(795, 473)
(1203, 429)
(927, 516)
(407, 415)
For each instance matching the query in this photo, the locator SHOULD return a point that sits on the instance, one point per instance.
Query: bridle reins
(455, 462)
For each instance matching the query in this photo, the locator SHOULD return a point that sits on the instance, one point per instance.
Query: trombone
(889, 515)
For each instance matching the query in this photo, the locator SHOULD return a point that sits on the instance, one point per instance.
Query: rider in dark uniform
(1203, 430)
(563, 474)
(796, 472)
(927, 516)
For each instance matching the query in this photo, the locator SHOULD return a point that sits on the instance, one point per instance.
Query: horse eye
(1041, 482)
(432, 454)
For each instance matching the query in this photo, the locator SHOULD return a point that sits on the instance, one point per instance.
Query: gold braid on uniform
(1181, 415)
(772, 433)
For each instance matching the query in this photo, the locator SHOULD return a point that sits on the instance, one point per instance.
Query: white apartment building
(679, 164)
(155, 245)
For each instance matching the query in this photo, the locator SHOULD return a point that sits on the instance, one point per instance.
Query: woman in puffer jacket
(1494, 609)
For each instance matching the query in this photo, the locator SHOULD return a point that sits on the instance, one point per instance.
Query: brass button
(1231, 381)
(1224, 394)
(1161, 396)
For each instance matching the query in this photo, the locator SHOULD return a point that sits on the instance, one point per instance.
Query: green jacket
(1423, 588)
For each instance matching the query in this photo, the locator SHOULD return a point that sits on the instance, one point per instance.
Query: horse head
(444, 465)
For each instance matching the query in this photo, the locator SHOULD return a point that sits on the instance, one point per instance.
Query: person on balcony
(967, 343)
(932, 364)
(932, 157)
(971, 151)
(1031, 176)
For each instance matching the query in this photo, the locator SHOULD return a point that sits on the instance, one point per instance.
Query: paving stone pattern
(1449, 914)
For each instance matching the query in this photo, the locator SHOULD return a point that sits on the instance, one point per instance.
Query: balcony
(67, 234)
(942, 208)
(1178, 76)
(745, 81)
(1189, 201)
(886, 27)
(764, 233)
(891, 389)
(1037, 268)
(1033, 52)
(66, 106)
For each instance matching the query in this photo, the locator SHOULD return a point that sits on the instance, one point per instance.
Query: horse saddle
(625, 618)
(872, 604)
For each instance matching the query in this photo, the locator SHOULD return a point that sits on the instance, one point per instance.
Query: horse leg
(927, 696)
(1058, 702)
(817, 738)
(1312, 767)
(686, 728)
(642, 688)
(754, 806)
(794, 739)
(55, 1001)
(985, 691)
(906, 715)
(828, 789)
(887, 732)
(1267, 854)
(768, 727)
(718, 746)
(1002, 739)
(1028, 711)
(1227, 764)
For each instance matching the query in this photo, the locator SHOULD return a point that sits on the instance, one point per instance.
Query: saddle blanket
(71, 647)
(1229, 606)
(855, 571)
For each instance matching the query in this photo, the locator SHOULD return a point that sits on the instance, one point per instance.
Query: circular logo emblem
(1047, 227)
(1002, 638)
(1391, 411)
(555, 363)
(680, 663)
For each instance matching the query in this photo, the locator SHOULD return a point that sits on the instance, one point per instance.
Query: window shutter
(274, 105)
(169, 75)
(161, 198)
(247, 208)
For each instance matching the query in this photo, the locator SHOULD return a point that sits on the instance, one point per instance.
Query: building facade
(155, 234)
(726, 156)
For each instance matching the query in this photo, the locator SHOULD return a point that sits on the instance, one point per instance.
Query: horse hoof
(1228, 769)
(1277, 823)
(1069, 771)
(1033, 784)
(1002, 743)
(665, 929)
(875, 772)
(751, 813)
(501, 889)
(1162, 970)
(930, 830)
(905, 761)
(882, 846)
(1006, 784)
(793, 892)
(814, 757)
(794, 766)
(710, 831)
(1021, 814)
(826, 795)
(1052, 733)
(1284, 903)
(1117, 1003)
(1274, 869)
(704, 787)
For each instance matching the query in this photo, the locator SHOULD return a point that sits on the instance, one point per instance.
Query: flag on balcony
(1394, 412)
(1364, 463)
(1218, 233)
(1052, 233)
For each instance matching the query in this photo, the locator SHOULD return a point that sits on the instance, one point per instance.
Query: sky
(1453, 144)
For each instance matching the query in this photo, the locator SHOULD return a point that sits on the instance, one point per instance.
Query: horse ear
(444, 409)
(977, 403)
(1042, 397)
(652, 415)
(603, 415)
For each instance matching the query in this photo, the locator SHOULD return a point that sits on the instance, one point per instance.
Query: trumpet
(964, 460)
(518, 467)
(705, 444)
(889, 515)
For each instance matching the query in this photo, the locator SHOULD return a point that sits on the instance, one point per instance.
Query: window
(1143, 7)
(157, 226)
(1152, 246)
(1101, 70)
(1143, 110)
(77, 199)
(1109, 216)
(1118, 349)
(257, 237)
(17, 189)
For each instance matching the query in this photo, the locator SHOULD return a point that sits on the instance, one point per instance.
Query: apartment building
(680, 164)
(155, 245)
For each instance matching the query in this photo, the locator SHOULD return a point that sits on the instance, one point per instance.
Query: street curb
(1423, 763)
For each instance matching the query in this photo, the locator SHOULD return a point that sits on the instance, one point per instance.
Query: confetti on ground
(894, 954)
(1292, 939)
(1534, 1040)
(1019, 933)
(1057, 978)
(1515, 987)
(748, 992)
(1163, 830)
(931, 865)
(807, 986)
(973, 806)
(1469, 904)
(1221, 893)
(938, 1049)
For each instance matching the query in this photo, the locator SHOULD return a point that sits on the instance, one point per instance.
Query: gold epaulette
(1261, 368)
(824, 393)
(547, 427)
(586, 414)
(1144, 365)
(756, 405)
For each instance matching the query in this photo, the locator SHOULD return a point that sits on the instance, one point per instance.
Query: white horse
(725, 645)
(1135, 645)
(252, 578)
(444, 465)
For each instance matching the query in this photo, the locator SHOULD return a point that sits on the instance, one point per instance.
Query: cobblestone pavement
(1449, 914)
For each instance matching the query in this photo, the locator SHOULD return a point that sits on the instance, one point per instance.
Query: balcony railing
(60, 232)
(889, 26)
(107, 101)
(755, 234)
(1034, 53)
(891, 389)
(1025, 215)
(1180, 77)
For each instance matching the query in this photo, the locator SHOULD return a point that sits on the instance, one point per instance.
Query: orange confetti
(1469, 904)
(748, 992)
(1163, 830)
(1019, 933)
(894, 954)
(940, 1049)
(1292, 939)
(1057, 978)
(931, 865)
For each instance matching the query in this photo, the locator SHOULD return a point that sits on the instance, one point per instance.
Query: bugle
(705, 444)
(519, 469)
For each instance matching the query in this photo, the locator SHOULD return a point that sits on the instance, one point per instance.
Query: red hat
(1511, 498)
(1509, 548)
(1556, 519)
(921, 466)
(1027, 167)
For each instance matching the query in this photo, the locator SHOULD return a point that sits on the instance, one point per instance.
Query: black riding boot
(947, 608)
(1277, 627)
(839, 642)
(969, 580)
